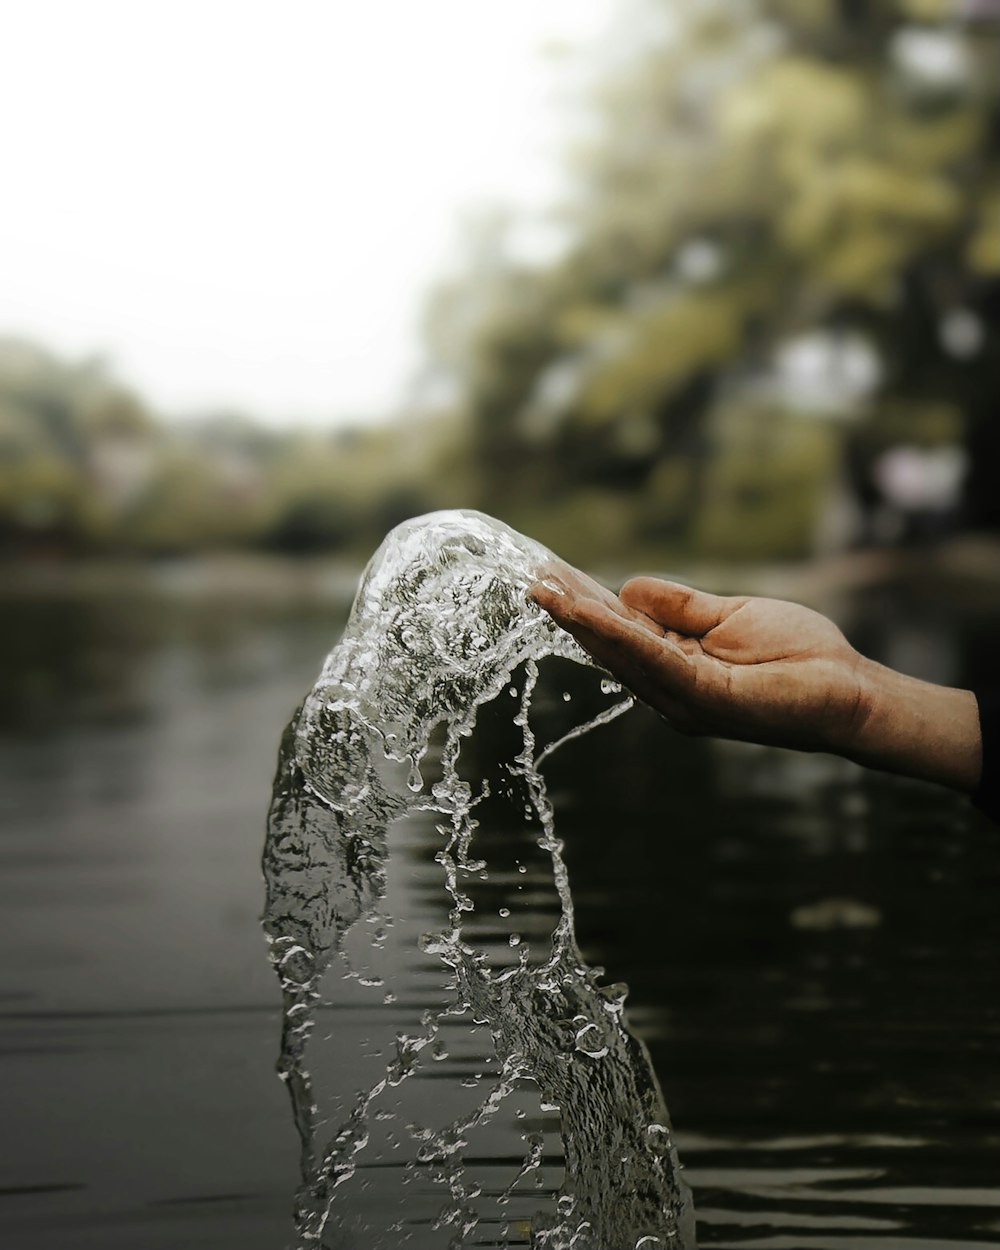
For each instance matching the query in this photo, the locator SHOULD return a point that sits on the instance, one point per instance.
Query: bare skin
(763, 670)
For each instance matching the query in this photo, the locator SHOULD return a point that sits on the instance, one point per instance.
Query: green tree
(754, 172)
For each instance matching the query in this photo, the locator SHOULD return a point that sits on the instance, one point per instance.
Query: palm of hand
(770, 671)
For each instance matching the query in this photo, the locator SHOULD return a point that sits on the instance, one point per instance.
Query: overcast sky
(241, 203)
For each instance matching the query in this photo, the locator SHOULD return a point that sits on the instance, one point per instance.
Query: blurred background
(649, 280)
(708, 287)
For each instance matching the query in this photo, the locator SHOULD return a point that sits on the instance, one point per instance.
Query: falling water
(492, 1094)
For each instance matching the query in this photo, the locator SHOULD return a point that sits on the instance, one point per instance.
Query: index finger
(650, 664)
(561, 586)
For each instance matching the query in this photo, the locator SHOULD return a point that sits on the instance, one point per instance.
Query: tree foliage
(776, 257)
(754, 175)
(86, 467)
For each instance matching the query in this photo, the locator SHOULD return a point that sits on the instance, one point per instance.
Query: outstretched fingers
(561, 586)
(676, 607)
(653, 667)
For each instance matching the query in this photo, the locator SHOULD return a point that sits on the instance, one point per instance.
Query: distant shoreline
(966, 566)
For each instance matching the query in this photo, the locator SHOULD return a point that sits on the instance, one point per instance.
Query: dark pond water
(812, 950)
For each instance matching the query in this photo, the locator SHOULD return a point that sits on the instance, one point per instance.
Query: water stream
(489, 1092)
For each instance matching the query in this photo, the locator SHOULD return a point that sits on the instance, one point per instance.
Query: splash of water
(441, 626)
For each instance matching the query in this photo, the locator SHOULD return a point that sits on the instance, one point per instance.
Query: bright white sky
(242, 202)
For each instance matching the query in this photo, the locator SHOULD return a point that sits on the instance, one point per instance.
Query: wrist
(918, 729)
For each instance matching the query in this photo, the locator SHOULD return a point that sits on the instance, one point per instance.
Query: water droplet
(515, 939)
(504, 911)
(566, 696)
(432, 943)
(610, 687)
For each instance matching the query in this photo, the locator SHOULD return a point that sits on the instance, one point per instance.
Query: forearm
(919, 730)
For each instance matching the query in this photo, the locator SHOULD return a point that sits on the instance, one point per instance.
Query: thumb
(676, 607)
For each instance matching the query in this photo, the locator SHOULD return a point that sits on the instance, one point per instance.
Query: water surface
(811, 949)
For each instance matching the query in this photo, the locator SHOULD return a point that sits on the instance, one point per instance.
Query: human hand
(756, 669)
(763, 670)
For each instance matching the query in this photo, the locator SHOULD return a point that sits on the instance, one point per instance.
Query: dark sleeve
(987, 796)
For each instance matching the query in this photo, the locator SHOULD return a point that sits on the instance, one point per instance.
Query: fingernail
(550, 584)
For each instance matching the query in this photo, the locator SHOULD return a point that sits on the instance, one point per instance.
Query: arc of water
(440, 623)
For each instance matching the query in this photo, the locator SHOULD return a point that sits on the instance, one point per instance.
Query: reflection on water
(833, 1085)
